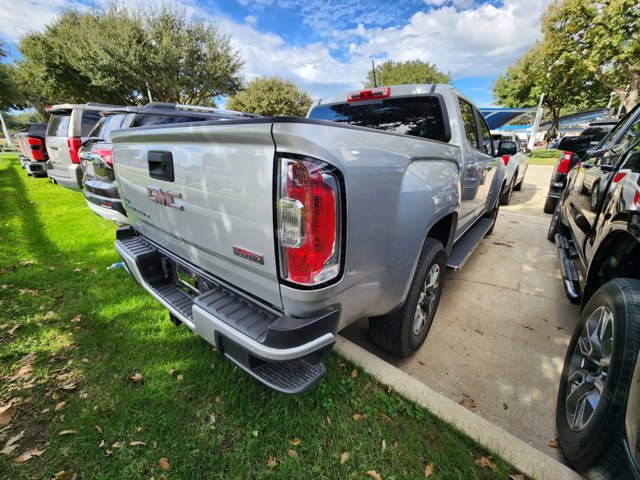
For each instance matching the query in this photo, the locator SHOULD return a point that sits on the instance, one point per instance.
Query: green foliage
(271, 96)
(18, 121)
(11, 95)
(545, 153)
(402, 73)
(117, 55)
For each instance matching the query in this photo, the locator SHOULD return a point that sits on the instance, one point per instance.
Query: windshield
(417, 116)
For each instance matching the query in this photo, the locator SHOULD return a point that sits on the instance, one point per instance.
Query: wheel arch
(617, 256)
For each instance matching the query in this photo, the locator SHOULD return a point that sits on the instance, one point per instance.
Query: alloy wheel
(427, 299)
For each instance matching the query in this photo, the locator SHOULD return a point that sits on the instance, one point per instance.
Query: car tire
(405, 330)
(550, 204)
(556, 223)
(595, 194)
(591, 438)
(518, 186)
(505, 197)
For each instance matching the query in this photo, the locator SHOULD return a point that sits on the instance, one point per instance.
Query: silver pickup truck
(267, 236)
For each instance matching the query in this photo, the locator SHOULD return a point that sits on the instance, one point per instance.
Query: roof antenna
(373, 69)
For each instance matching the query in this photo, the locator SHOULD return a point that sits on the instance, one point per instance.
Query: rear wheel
(405, 330)
(550, 204)
(505, 197)
(595, 381)
(518, 186)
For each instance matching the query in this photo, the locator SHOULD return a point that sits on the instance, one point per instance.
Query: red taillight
(37, 148)
(505, 159)
(565, 164)
(636, 199)
(105, 155)
(309, 221)
(370, 94)
(74, 145)
(619, 176)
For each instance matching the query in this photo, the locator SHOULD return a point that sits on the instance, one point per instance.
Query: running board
(570, 276)
(465, 246)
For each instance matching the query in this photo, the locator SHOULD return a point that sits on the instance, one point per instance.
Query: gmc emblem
(164, 197)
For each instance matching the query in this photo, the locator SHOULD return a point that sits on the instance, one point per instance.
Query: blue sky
(327, 46)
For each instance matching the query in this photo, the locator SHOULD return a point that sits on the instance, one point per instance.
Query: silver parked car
(68, 126)
(516, 163)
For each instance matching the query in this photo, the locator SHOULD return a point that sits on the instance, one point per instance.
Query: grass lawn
(542, 161)
(92, 366)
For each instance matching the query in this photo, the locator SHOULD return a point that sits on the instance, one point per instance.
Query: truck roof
(70, 106)
(394, 91)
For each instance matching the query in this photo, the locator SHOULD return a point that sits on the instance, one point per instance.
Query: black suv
(598, 406)
(100, 189)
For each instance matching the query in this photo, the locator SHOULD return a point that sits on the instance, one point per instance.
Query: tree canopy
(119, 55)
(271, 96)
(401, 73)
(11, 95)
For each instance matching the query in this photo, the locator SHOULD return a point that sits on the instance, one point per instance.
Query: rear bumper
(69, 177)
(37, 169)
(106, 207)
(254, 335)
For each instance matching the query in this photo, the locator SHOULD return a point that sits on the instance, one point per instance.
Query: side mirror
(526, 150)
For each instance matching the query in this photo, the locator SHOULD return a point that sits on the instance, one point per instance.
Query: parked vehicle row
(32, 150)
(596, 227)
(268, 235)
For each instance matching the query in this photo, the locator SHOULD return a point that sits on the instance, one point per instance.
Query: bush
(545, 153)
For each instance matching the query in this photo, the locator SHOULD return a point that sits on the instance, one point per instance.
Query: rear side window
(595, 133)
(106, 125)
(89, 120)
(146, 119)
(417, 116)
(469, 121)
(59, 125)
(487, 141)
(37, 130)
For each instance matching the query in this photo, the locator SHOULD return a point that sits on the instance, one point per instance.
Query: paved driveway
(503, 324)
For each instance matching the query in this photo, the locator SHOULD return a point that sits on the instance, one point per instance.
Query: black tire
(595, 449)
(518, 186)
(595, 194)
(505, 197)
(556, 223)
(395, 332)
(550, 204)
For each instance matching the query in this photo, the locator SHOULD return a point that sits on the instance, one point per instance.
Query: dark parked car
(598, 405)
(33, 153)
(100, 189)
(574, 148)
(68, 126)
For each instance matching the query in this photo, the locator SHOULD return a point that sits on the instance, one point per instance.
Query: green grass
(215, 423)
(543, 156)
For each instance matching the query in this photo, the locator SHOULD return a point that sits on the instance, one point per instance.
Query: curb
(522, 456)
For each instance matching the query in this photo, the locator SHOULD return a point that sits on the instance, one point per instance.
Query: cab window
(470, 128)
(487, 141)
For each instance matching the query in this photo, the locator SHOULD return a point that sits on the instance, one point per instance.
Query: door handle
(160, 165)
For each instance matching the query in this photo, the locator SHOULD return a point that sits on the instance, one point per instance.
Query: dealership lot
(500, 335)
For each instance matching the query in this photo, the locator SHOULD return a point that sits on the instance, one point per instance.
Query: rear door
(57, 135)
(488, 163)
(472, 174)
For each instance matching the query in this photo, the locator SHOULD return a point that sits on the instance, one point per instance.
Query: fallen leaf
(255, 433)
(272, 462)
(30, 291)
(395, 444)
(354, 373)
(85, 360)
(55, 396)
(6, 414)
(180, 378)
(28, 455)
(136, 378)
(485, 462)
(60, 475)
(502, 244)
(469, 403)
(524, 325)
(59, 406)
(101, 444)
(116, 445)
(136, 443)
(98, 428)
(560, 327)
(344, 457)
(26, 263)
(12, 330)
(76, 270)
(94, 270)
(76, 319)
(553, 443)
(295, 441)
(52, 268)
(171, 370)
(164, 463)
(108, 452)
(387, 418)
(155, 445)
(421, 362)
(517, 476)
(428, 470)
(67, 432)
(384, 446)
(373, 474)
(359, 416)
(69, 385)
(11, 444)
(292, 453)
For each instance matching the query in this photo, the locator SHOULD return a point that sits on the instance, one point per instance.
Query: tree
(411, 71)
(118, 55)
(11, 95)
(606, 35)
(271, 96)
(550, 68)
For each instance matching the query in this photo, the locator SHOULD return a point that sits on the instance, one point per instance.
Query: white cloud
(479, 41)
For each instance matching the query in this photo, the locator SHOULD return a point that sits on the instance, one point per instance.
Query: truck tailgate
(223, 191)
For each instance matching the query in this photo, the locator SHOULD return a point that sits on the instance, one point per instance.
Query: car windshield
(417, 116)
